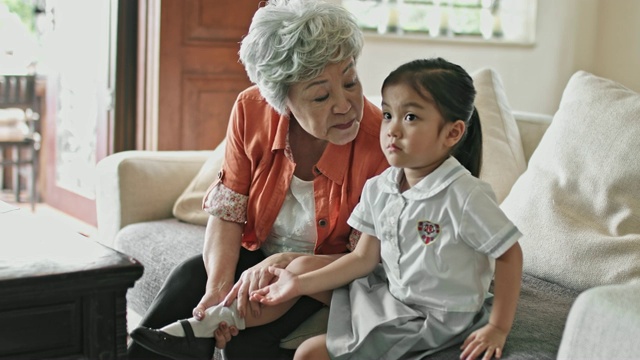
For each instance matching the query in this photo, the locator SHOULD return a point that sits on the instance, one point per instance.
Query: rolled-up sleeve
(226, 204)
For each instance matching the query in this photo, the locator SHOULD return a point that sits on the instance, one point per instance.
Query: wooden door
(199, 72)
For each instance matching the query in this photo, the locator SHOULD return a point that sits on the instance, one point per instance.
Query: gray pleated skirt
(367, 322)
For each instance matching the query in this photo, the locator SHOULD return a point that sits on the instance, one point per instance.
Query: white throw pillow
(578, 203)
(503, 157)
(188, 207)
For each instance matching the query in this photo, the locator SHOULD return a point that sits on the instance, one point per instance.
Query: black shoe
(175, 347)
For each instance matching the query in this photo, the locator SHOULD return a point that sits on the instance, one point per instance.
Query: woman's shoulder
(251, 93)
(250, 106)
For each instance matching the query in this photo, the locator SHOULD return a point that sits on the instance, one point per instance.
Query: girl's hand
(223, 334)
(488, 339)
(286, 287)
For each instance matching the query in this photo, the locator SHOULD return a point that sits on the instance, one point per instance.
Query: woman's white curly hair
(290, 41)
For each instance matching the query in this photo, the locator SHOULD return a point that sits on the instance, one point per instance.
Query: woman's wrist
(283, 259)
(219, 286)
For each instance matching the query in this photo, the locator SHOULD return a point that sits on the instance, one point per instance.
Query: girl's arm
(508, 278)
(491, 338)
(342, 271)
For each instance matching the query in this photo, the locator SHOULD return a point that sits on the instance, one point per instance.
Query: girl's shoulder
(383, 182)
(473, 186)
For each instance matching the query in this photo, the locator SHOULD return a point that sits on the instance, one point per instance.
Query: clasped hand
(250, 280)
(286, 287)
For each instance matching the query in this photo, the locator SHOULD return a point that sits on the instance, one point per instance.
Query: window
(19, 36)
(476, 20)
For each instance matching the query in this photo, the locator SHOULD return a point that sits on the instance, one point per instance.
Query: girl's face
(329, 107)
(414, 135)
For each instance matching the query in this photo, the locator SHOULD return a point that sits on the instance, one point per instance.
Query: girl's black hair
(452, 89)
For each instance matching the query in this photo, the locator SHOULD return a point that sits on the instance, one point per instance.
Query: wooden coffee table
(62, 295)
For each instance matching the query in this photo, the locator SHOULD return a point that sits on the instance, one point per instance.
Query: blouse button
(322, 222)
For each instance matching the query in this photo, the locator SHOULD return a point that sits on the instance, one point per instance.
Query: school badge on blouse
(428, 231)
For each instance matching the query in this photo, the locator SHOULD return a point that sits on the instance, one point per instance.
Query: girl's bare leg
(314, 348)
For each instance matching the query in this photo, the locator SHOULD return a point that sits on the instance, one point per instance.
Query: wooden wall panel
(217, 21)
(208, 122)
(199, 72)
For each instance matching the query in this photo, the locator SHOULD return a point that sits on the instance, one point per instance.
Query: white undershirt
(295, 227)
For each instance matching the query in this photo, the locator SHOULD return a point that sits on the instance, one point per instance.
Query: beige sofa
(141, 193)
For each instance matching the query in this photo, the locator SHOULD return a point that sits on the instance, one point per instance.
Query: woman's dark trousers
(184, 288)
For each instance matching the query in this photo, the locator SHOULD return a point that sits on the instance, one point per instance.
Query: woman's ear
(455, 132)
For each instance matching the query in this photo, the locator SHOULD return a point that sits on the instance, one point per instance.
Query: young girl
(433, 225)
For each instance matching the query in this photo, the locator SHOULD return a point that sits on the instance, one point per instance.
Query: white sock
(213, 317)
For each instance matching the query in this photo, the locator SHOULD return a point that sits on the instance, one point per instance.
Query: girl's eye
(386, 116)
(410, 117)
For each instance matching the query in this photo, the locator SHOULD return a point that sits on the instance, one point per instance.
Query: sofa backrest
(532, 127)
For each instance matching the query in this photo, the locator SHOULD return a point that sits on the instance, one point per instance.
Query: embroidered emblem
(428, 231)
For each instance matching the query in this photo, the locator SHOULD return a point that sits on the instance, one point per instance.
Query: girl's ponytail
(469, 150)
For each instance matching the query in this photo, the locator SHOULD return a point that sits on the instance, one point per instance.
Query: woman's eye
(351, 84)
(321, 99)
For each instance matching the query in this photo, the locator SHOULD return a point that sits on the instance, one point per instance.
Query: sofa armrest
(137, 186)
(603, 323)
(532, 127)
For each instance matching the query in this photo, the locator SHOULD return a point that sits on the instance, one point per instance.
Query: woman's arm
(221, 252)
(340, 272)
(491, 338)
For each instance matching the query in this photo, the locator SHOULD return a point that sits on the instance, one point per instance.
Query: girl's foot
(189, 338)
(213, 317)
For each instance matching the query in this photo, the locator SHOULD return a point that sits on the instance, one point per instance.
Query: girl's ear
(455, 133)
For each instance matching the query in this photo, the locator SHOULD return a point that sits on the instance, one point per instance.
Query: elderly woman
(300, 145)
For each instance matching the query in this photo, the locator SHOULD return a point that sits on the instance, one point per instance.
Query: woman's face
(329, 107)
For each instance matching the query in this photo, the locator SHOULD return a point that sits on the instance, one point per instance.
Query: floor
(48, 214)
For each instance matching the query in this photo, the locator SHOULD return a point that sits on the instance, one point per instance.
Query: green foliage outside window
(25, 11)
(435, 17)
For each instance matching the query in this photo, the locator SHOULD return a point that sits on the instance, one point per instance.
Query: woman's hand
(212, 297)
(488, 339)
(286, 287)
(253, 279)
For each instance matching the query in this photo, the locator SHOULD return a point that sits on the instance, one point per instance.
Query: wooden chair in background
(19, 131)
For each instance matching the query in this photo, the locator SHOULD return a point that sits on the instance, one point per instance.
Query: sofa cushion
(188, 206)
(159, 246)
(13, 125)
(537, 329)
(503, 157)
(577, 203)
